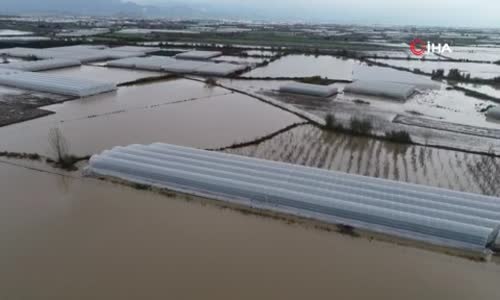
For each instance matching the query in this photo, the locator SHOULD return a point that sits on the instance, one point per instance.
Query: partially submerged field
(74, 225)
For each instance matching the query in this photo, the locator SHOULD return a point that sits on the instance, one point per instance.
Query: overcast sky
(419, 12)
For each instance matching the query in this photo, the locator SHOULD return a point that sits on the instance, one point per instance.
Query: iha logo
(419, 48)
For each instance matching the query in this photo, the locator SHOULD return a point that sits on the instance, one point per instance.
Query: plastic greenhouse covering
(381, 89)
(168, 64)
(41, 65)
(82, 53)
(309, 89)
(54, 84)
(424, 213)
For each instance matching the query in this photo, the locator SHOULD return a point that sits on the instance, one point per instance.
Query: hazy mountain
(84, 7)
(172, 9)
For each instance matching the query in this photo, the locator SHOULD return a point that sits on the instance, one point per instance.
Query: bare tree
(58, 144)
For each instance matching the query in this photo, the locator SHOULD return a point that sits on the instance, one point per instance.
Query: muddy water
(65, 238)
(103, 74)
(304, 66)
(179, 112)
(307, 145)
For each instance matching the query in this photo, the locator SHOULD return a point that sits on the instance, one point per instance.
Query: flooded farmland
(139, 244)
(476, 70)
(182, 112)
(310, 146)
(306, 66)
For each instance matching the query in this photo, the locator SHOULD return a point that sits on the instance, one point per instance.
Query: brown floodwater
(79, 238)
(181, 112)
(115, 75)
(308, 145)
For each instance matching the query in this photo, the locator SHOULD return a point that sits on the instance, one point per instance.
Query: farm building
(494, 113)
(309, 89)
(198, 55)
(41, 65)
(54, 84)
(429, 214)
(391, 90)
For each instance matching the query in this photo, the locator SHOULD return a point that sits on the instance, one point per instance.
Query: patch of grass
(332, 124)
(210, 82)
(317, 80)
(67, 162)
(361, 102)
(399, 137)
(361, 126)
(29, 156)
(347, 230)
(141, 187)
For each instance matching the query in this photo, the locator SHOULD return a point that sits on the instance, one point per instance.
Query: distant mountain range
(170, 9)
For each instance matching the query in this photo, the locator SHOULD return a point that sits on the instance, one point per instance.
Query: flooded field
(181, 112)
(310, 146)
(305, 66)
(437, 106)
(69, 237)
(115, 75)
(476, 70)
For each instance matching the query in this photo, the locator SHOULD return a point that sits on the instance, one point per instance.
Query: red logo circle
(418, 47)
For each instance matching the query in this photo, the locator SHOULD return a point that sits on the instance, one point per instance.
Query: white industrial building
(309, 89)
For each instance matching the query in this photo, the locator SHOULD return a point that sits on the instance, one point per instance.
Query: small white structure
(54, 84)
(198, 55)
(392, 90)
(83, 53)
(42, 65)
(493, 113)
(309, 89)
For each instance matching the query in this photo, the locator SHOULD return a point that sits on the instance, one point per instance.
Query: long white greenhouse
(54, 84)
(42, 65)
(439, 216)
(83, 53)
(169, 64)
(309, 89)
(392, 90)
